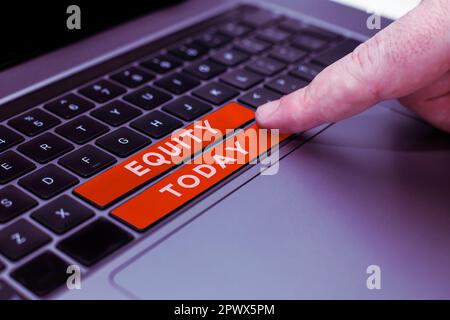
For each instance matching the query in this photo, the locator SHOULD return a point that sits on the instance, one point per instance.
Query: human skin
(409, 60)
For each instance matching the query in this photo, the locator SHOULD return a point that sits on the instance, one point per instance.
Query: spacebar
(196, 177)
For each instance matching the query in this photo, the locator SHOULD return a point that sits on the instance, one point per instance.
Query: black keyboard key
(286, 84)
(116, 113)
(69, 106)
(8, 138)
(177, 83)
(87, 161)
(82, 129)
(242, 79)
(215, 93)
(291, 25)
(132, 77)
(48, 181)
(156, 124)
(212, 40)
(187, 108)
(339, 51)
(43, 274)
(273, 34)
(229, 57)
(266, 66)
(62, 214)
(259, 97)
(14, 202)
(161, 64)
(102, 91)
(147, 98)
(95, 241)
(45, 148)
(123, 142)
(252, 45)
(205, 69)
(260, 18)
(235, 29)
(306, 71)
(9, 293)
(188, 51)
(34, 122)
(20, 239)
(309, 42)
(13, 166)
(287, 54)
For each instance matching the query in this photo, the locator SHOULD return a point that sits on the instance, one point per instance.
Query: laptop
(90, 207)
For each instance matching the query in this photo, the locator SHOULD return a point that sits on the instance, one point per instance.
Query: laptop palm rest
(371, 190)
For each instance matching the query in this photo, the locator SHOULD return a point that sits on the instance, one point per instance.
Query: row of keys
(207, 69)
(83, 129)
(72, 105)
(117, 113)
(310, 39)
(48, 147)
(148, 98)
(88, 160)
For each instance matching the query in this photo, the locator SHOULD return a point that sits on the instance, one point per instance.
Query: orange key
(195, 177)
(111, 185)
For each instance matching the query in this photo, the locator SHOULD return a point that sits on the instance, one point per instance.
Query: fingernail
(266, 110)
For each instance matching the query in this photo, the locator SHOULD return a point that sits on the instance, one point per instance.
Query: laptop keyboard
(61, 162)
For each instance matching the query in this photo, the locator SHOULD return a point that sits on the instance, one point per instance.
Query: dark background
(29, 28)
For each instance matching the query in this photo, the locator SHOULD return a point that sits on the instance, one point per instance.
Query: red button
(194, 178)
(108, 187)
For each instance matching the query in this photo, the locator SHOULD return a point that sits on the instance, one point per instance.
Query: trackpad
(372, 190)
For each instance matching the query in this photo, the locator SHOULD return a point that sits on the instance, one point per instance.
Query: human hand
(409, 61)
